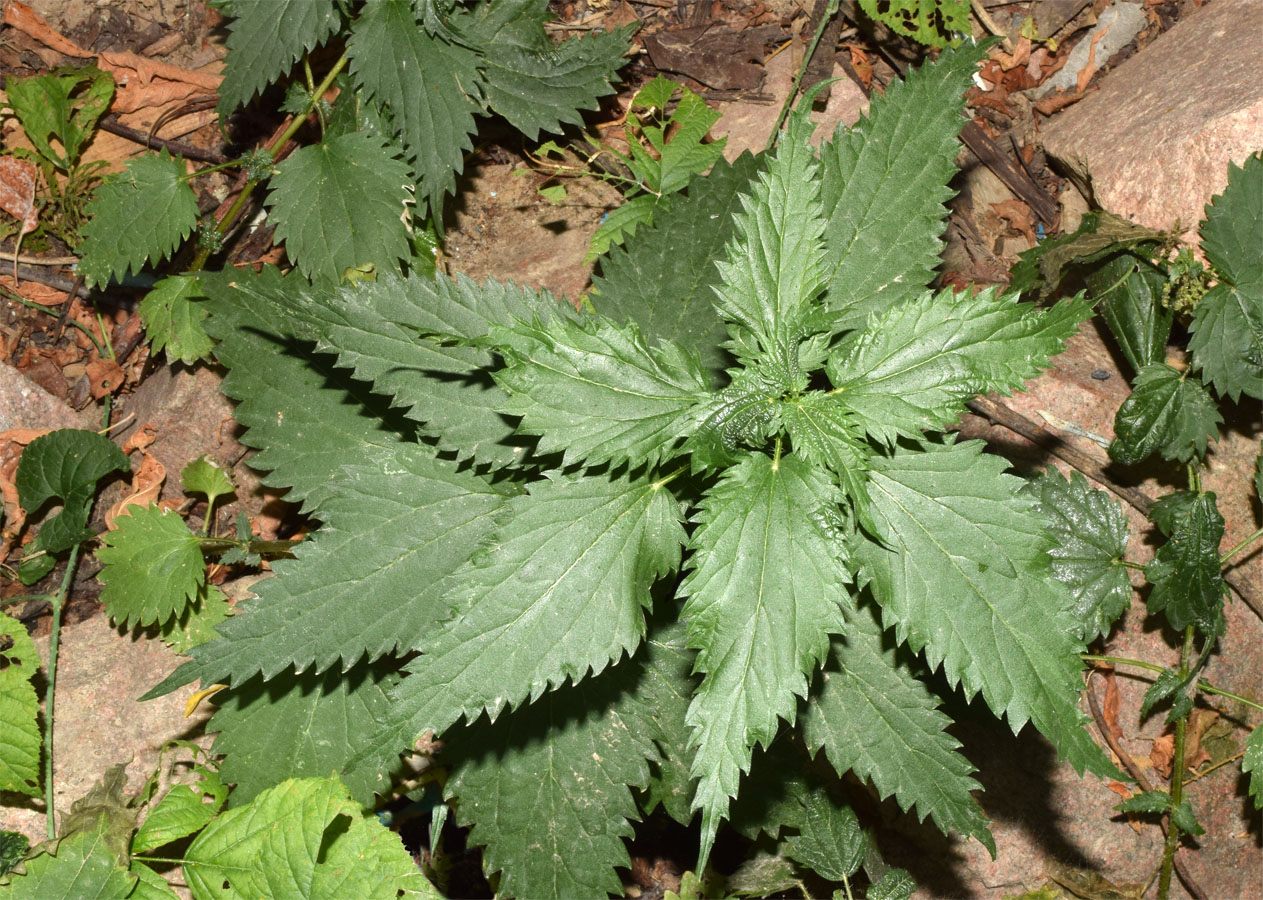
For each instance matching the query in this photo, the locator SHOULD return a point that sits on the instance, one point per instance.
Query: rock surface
(24, 404)
(1159, 134)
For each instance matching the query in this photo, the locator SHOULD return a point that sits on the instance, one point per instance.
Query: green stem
(274, 148)
(1177, 780)
(263, 548)
(670, 476)
(54, 637)
(18, 599)
(108, 352)
(1241, 546)
(1127, 564)
(830, 11)
(167, 859)
(1202, 684)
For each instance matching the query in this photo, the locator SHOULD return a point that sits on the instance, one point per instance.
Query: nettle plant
(608, 557)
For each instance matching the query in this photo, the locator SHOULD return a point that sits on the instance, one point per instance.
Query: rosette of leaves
(619, 551)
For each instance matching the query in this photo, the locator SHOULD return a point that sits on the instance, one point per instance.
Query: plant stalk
(1177, 779)
(230, 217)
(59, 601)
(830, 11)
(1241, 546)
(1202, 684)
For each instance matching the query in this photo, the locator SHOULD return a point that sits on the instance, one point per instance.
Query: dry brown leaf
(146, 486)
(11, 444)
(36, 292)
(1019, 215)
(1194, 753)
(1161, 754)
(17, 192)
(1019, 57)
(1090, 68)
(860, 63)
(28, 21)
(141, 438)
(105, 376)
(144, 82)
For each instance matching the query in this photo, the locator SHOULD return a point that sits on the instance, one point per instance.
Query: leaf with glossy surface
(912, 367)
(558, 592)
(767, 588)
(873, 717)
(1129, 289)
(1089, 532)
(595, 391)
(183, 810)
(302, 838)
(83, 868)
(1227, 339)
(1233, 229)
(1252, 764)
(338, 204)
(152, 567)
(884, 183)
(964, 576)
(1167, 413)
(1187, 581)
(138, 215)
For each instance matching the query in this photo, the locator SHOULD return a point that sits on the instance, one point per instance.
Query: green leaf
(1146, 802)
(1227, 339)
(872, 716)
(82, 868)
(174, 320)
(149, 884)
(196, 623)
(1089, 533)
(824, 432)
(913, 367)
(1182, 818)
(964, 576)
(287, 395)
(20, 739)
(1100, 234)
(183, 810)
(829, 841)
(547, 788)
(884, 183)
(1129, 289)
(1252, 764)
(535, 84)
(618, 224)
(1166, 684)
(1188, 585)
(266, 39)
(13, 847)
(1168, 413)
(377, 331)
(338, 204)
(766, 589)
(774, 265)
(391, 530)
(302, 838)
(204, 476)
(895, 884)
(63, 105)
(152, 567)
(65, 465)
(668, 295)
(933, 22)
(747, 412)
(594, 389)
(558, 592)
(1233, 229)
(431, 86)
(762, 875)
(294, 726)
(678, 143)
(143, 213)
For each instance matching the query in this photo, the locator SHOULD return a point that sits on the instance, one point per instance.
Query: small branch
(1134, 771)
(54, 637)
(988, 23)
(1177, 779)
(188, 151)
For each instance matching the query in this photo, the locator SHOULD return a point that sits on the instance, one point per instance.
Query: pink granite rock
(1158, 136)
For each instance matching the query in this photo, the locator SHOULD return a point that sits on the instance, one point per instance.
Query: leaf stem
(1202, 684)
(1177, 777)
(1241, 546)
(49, 311)
(829, 12)
(1128, 564)
(230, 217)
(670, 477)
(54, 637)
